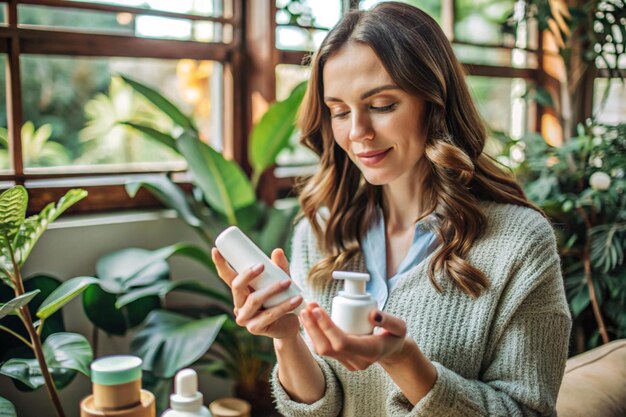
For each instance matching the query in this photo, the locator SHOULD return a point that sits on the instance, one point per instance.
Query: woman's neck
(404, 200)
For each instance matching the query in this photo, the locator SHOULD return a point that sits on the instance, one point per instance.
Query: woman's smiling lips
(371, 158)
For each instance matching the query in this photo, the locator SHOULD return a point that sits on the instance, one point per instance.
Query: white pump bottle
(241, 253)
(351, 308)
(186, 400)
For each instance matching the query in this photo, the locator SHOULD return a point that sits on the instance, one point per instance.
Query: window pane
(517, 58)
(318, 16)
(432, 7)
(299, 39)
(500, 103)
(73, 106)
(319, 13)
(5, 159)
(613, 110)
(197, 7)
(480, 21)
(121, 23)
(287, 77)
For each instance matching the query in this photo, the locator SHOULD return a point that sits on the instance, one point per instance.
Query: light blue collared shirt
(374, 250)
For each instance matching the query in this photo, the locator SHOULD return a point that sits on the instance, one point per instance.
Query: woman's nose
(361, 128)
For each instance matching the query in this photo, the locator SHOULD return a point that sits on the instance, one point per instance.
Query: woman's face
(376, 123)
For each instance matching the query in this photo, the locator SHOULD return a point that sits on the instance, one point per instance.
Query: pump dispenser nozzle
(354, 283)
(351, 307)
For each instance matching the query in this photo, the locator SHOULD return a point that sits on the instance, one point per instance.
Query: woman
(472, 317)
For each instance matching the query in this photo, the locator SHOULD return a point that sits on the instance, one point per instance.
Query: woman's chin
(376, 178)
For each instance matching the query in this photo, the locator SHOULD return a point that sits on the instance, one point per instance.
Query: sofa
(594, 384)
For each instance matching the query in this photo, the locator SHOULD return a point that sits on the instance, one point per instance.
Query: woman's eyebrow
(369, 93)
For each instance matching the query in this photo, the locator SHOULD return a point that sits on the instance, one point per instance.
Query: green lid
(115, 370)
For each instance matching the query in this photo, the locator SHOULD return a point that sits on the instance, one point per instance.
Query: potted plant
(581, 186)
(131, 284)
(27, 311)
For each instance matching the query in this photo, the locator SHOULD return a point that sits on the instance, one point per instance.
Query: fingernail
(257, 268)
(285, 283)
(316, 314)
(295, 300)
(378, 318)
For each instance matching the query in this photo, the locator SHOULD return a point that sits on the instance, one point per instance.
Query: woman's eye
(384, 109)
(340, 115)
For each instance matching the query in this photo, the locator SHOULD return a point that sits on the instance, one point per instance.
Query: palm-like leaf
(162, 103)
(223, 183)
(271, 135)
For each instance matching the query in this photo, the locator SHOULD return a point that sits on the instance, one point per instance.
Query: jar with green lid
(116, 382)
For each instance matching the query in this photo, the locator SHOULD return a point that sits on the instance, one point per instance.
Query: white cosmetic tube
(241, 253)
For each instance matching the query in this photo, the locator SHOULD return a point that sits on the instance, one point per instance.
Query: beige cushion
(595, 383)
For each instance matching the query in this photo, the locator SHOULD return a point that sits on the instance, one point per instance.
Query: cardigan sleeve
(524, 366)
(331, 403)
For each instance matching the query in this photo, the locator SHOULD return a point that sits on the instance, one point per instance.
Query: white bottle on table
(186, 401)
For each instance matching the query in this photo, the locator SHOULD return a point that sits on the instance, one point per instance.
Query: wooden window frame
(111, 195)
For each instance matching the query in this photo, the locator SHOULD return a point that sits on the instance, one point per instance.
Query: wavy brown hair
(419, 58)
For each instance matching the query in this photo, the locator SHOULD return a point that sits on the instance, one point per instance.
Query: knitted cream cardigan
(502, 354)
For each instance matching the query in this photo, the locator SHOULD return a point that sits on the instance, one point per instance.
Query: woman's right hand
(276, 322)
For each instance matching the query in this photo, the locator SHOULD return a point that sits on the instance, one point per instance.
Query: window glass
(197, 7)
(317, 17)
(500, 103)
(5, 159)
(287, 77)
(480, 21)
(120, 23)
(609, 101)
(432, 7)
(470, 54)
(73, 105)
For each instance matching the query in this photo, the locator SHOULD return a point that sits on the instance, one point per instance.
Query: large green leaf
(132, 267)
(10, 346)
(34, 226)
(6, 408)
(271, 135)
(16, 303)
(68, 350)
(171, 341)
(162, 288)
(169, 194)
(64, 294)
(162, 103)
(99, 307)
(277, 228)
(121, 270)
(64, 353)
(223, 183)
(157, 135)
(13, 204)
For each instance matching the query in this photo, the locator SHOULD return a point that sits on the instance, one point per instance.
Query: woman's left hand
(355, 352)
